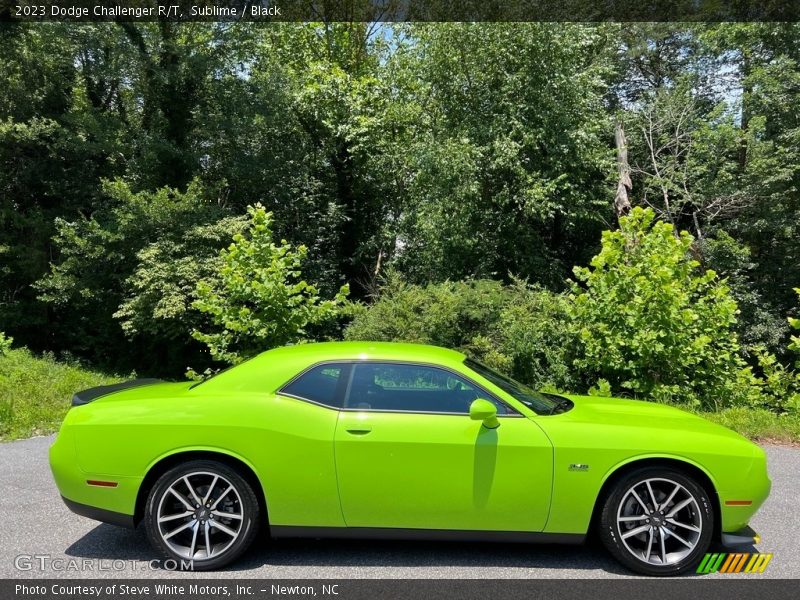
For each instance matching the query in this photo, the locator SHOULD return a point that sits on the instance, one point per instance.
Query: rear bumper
(100, 514)
(114, 504)
(744, 537)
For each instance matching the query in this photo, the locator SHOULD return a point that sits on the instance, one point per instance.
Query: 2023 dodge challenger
(401, 441)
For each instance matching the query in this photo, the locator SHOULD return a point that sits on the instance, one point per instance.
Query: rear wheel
(657, 521)
(203, 514)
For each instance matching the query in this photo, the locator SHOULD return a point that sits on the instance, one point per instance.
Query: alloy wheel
(659, 521)
(200, 515)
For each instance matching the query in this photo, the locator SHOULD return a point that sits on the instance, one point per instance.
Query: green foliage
(5, 343)
(128, 273)
(449, 314)
(602, 389)
(653, 323)
(453, 151)
(506, 157)
(536, 333)
(162, 287)
(758, 322)
(35, 392)
(780, 384)
(258, 300)
(794, 341)
(519, 328)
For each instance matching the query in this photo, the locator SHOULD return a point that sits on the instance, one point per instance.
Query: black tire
(225, 548)
(631, 549)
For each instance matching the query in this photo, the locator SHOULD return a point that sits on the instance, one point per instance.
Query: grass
(35, 392)
(759, 424)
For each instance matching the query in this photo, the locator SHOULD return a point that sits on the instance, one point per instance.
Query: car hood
(640, 414)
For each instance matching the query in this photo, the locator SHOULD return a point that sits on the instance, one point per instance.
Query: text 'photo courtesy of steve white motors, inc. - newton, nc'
(163, 11)
(171, 590)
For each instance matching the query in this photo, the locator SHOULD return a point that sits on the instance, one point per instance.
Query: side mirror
(483, 410)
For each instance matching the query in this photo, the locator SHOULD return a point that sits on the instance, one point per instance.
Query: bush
(258, 300)
(120, 293)
(5, 343)
(781, 384)
(653, 324)
(519, 329)
(794, 341)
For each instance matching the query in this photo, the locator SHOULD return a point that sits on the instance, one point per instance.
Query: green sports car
(383, 440)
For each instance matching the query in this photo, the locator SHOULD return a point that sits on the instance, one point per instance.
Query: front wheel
(202, 514)
(657, 521)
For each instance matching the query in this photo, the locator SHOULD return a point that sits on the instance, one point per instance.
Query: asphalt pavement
(40, 537)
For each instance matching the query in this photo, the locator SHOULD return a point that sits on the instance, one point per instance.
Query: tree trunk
(747, 91)
(622, 205)
(342, 163)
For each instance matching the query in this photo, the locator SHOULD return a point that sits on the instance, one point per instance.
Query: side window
(412, 388)
(320, 384)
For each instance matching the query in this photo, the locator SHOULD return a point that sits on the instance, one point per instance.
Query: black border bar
(189, 588)
(402, 10)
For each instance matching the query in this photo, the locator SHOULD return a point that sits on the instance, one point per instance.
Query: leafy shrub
(758, 322)
(519, 329)
(5, 343)
(258, 300)
(652, 323)
(127, 273)
(794, 341)
(448, 314)
(162, 288)
(536, 333)
(781, 384)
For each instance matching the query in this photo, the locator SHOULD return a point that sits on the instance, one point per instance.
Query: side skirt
(444, 535)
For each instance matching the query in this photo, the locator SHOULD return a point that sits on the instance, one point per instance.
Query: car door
(408, 455)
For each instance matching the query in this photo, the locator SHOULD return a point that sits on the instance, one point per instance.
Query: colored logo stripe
(734, 563)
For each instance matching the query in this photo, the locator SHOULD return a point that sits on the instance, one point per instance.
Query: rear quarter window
(322, 384)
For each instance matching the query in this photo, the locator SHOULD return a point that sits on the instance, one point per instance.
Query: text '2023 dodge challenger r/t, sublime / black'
(404, 441)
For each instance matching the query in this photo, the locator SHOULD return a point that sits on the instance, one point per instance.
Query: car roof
(364, 351)
(271, 369)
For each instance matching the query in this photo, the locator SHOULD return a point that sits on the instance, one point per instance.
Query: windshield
(539, 403)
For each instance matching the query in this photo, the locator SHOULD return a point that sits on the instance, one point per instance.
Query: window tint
(412, 388)
(319, 384)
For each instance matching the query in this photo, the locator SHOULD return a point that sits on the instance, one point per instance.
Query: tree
(651, 322)
(161, 289)
(121, 291)
(258, 300)
(510, 161)
(710, 136)
(53, 150)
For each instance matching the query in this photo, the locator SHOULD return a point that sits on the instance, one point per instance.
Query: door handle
(360, 430)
